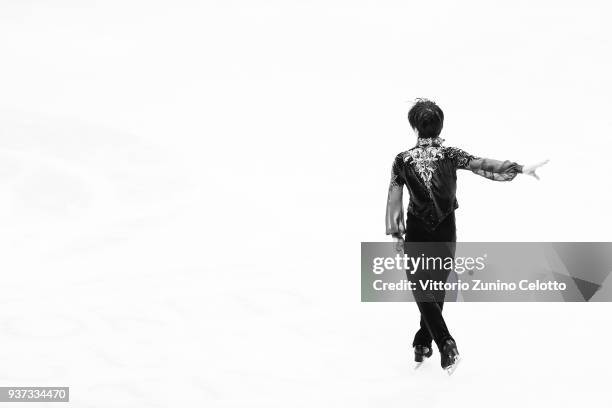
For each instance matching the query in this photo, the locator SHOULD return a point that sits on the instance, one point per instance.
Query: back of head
(427, 118)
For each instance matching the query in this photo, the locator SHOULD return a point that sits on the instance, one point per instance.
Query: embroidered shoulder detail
(460, 157)
(403, 156)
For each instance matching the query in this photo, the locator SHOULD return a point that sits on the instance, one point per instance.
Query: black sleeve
(490, 168)
(395, 209)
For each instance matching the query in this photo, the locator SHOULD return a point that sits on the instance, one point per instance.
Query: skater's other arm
(395, 210)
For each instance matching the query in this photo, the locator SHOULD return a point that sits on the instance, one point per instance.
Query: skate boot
(420, 354)
(450, 356)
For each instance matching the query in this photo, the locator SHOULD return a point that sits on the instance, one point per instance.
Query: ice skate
(420, 354)
(450, 357)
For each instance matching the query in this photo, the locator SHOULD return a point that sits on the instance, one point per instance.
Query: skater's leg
(441, 304)
(432, 324)
(432, 316)
(431, 301)
(422, 336)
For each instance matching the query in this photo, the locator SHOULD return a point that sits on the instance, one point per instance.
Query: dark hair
(426, 117)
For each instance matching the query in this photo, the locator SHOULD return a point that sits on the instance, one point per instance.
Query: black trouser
(431, 302)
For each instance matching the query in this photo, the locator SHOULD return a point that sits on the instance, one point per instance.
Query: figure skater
(428, 170)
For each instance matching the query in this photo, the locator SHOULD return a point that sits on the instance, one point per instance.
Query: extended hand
(531, 170)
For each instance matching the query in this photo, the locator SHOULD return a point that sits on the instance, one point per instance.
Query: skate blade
(417, 365)
(451, 368)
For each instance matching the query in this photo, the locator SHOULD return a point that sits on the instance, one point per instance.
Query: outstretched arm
(495, 169)
(492, 169)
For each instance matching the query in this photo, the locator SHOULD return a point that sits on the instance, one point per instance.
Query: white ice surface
(184, 188)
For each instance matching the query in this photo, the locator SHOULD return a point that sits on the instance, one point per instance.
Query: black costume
(428, 170)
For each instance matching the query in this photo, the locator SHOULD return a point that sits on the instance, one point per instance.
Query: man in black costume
(428, 170)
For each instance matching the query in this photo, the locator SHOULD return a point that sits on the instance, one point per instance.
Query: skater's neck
(429, 141)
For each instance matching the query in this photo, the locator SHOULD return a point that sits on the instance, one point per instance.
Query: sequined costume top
(429, 171)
